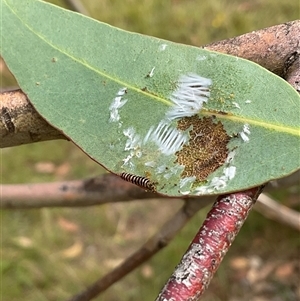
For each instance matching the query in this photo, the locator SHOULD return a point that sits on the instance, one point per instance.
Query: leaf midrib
(243, 120)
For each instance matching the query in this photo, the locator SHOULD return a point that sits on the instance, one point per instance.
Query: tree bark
(20, 122)
(273, 47)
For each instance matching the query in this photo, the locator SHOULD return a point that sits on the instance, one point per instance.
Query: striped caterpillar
(138, 180)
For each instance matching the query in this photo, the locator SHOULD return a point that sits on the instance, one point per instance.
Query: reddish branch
(204, 255)
(151, 247)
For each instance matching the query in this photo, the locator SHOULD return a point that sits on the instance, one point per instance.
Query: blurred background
(51, 254)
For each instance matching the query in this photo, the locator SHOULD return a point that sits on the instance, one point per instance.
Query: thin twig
(275, 211)
(150, 248)
(106, 188)
(77, 6)
(289, 181)
(204, 255)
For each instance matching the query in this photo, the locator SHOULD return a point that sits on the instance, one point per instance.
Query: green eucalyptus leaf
(182, 119)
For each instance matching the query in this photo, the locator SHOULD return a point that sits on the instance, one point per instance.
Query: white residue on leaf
(230, 157)
(173, 171)
(127, 161)
(229, 172)
(218, 183)
(187, 181)
(161, 169)
(122, 91)
(150, 164)
(133, 140)
(236, 104)
(162, 47)
(152, 72)
(201, 57)
(168, 138)
(244, 137)
(248, 101)
(168, 175)
(245, 132)
(133, 144)
(185, 184)
(188, 98)
(138, 153)
(246, 128)
(116, 104)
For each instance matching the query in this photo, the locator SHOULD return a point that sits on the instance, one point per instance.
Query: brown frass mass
(207, 148)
